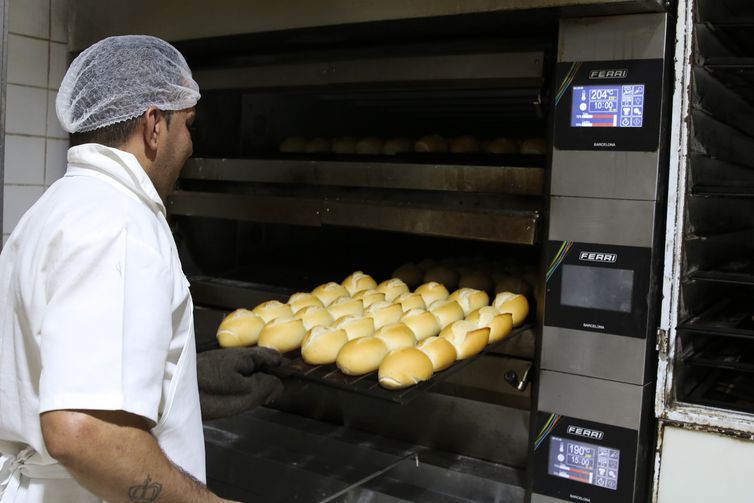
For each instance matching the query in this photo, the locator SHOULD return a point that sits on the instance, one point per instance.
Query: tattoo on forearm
(145, 493)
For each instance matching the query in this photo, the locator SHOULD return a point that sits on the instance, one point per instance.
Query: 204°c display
(620, 106)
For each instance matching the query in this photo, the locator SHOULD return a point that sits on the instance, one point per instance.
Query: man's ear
(153, 125)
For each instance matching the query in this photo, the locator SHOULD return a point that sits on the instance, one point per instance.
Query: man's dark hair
(113, 135)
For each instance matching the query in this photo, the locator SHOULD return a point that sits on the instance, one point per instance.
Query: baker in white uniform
(98, 383)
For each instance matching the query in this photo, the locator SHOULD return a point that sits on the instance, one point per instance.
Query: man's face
(177, 148)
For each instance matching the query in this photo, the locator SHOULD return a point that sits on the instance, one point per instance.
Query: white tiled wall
(35, 144)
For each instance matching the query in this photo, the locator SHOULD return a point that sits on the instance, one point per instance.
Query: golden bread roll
(396, 336)
(369, 145)
(318, 146)
(344, 145)
(321, 345)
(384, 313)
(369, 297)
(343, 306)
(516, 304)
(534, 146)
(392, 288)
(410, 273)
(403, 368)
(397, 145)
(514, 284)
(432, 292)
(466, 338)
(422, 323)
(470, 299)
(500, 325)
(328, 292)
(446, 312)
(464, 145)
(314, 316)
(293, 145)
(283, 334)
(300, 300)
(361, 356)
(409, 301)
(433, 143)
(238, 329)
(501, 146)
(355, 326)
(442, 274)
(357, 282)
(477, 280)
(440, 350)
(272, 309)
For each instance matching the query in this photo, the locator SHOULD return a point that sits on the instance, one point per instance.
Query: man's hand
(232, 381)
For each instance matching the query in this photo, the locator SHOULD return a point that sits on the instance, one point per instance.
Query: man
(98, 383)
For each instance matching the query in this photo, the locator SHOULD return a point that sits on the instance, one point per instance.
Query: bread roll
(322, 344)
(343, 306)
(477, 280)
(403, 368)
(293, 145)
(464, 145)
(369, 297)
(392, 288)
(440, 350)
(355, 326)
(446, 312)
(369, 145)
(502, 146)
(516, 304)
(432, 292)
(357, 282)
(534, 146)
(442, 274)
(396, 336)
(397, 145)
(318, 146)
(344, 145)
(410, 274)
(422, 323)
(470, 299)
(426, 264)
(361, 356)
(328, 292)
(300, 300)
(238, 329)
(500, 325)
(283, 334)
(272, 309)
(433, 143)
(409, 301)
(384, 313)
(466, 338)
(313, 316)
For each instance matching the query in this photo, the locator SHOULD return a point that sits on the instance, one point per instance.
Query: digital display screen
(582, 462)
(597, 288)
(608, 106)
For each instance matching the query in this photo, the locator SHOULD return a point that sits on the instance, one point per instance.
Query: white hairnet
(119, 78)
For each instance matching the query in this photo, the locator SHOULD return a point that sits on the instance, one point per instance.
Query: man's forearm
(116, 458)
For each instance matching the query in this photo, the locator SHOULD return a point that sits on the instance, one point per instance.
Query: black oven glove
(232, 381)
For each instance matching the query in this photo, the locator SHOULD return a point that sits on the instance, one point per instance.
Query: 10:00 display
(601, 94)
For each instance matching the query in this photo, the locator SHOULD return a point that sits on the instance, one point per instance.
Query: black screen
(597, 288)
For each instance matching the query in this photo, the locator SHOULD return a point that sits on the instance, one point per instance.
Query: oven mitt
(232, 380)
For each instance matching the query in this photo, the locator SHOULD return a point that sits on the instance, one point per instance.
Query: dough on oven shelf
(397, 145)
(272, 309)
(464, 145)
(358, 281)
(321, 345)
(422, 323)
(283, 334)
(516, 304)
(466, 338)
(361, 356)
(392, 288)
(432, 291)
(328, 292)
(345, 305)
(500, 325)
(396, 336)
(501, 146)
(433, 143)
(355, 326)
(440, 351)
(403, 368)
(300, 300)
(470, 299)
(446, 312)
(369, 145)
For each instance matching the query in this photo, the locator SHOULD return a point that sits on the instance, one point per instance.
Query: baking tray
(367, 384)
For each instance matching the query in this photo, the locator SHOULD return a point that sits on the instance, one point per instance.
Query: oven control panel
(609, 105)
(580, 460)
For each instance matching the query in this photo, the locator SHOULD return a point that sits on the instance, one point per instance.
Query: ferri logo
(585, 432)
(608, 74)
(587, 256)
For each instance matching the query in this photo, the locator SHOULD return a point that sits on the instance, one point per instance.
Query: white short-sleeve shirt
(95, 312)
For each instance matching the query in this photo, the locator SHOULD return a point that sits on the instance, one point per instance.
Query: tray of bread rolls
(382, 340)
